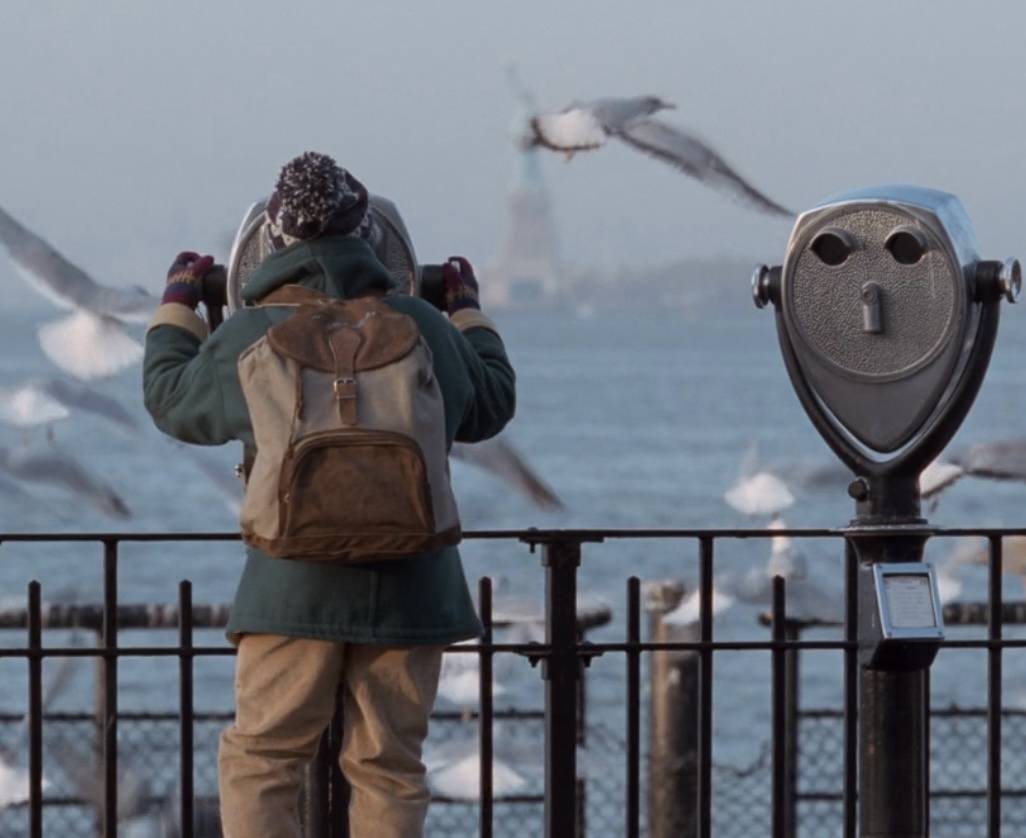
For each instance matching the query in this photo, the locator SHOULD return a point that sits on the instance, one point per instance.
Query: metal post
(185, 706)
(705, 687)
(851, 690)
(779, 712)
(792, 702)
(893, 738)
(486, 718)
(994, 691)
(894, 763)
(673, 721)
(110, 690)
(582, 740)
(561, 671)
(35, 712)
(632, 752)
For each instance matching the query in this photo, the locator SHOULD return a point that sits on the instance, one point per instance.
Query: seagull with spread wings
(57, 467)
(91, 342)
(1003, 459)
(498, 457)
(40, 402)
(587, 126)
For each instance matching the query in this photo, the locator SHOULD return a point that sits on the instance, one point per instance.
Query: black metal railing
(562, 657)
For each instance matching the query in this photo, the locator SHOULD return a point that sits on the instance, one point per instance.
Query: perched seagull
(689, 610)
(14, 785)
(502, 460)
(977, 551)
(461, 778)
(947, 570)
(56, 467)
(460, 680)
(585, 127)
(805, 599)
(42, 402)
(91, 342)
(454, 768)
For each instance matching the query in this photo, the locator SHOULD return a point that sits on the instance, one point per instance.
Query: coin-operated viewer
(886, 317)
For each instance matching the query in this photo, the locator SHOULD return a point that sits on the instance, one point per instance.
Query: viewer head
(314, 196)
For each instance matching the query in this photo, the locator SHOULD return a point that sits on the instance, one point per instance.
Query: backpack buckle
(344, 387)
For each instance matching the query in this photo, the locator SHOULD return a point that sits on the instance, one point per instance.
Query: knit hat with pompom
(314, 196)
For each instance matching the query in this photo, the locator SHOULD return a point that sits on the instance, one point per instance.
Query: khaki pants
(285, 691)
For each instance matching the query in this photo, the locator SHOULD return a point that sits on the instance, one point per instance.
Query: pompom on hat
(314, 196)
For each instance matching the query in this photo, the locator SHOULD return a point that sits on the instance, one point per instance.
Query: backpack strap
(345, 345)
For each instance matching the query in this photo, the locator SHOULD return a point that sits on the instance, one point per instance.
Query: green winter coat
(192, 391)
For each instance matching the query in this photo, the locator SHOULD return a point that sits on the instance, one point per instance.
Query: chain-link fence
(958, 773)
(148, 762)
(149, 768)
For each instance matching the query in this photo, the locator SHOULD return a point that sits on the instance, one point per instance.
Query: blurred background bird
(586, 127)
(91, 342)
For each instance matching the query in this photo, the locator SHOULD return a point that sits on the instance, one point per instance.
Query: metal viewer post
(886, 319)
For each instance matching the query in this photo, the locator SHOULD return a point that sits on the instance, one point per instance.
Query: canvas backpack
(351, 456)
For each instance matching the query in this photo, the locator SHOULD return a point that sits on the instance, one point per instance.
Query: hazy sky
(130, 130)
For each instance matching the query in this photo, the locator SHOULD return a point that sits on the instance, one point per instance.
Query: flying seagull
(91, 342)
(498, 457)
(58, 468)
(587, 126)
(998, 460)
(40, 402)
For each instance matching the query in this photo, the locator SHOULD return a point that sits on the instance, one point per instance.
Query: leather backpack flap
(316, 335)
(294, 295)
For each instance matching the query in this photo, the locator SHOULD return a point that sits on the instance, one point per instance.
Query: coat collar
(343, 266)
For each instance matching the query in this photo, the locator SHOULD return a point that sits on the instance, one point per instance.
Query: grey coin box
(900, 619)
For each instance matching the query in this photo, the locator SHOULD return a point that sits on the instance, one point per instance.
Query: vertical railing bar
(792, 704)
(185, 704)
(705, 685)
(110, 688)
(487, 708)
(633, 708)
(851, 690)
(561, 671)
(994, 632)
(779, 711)
(35, 711)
